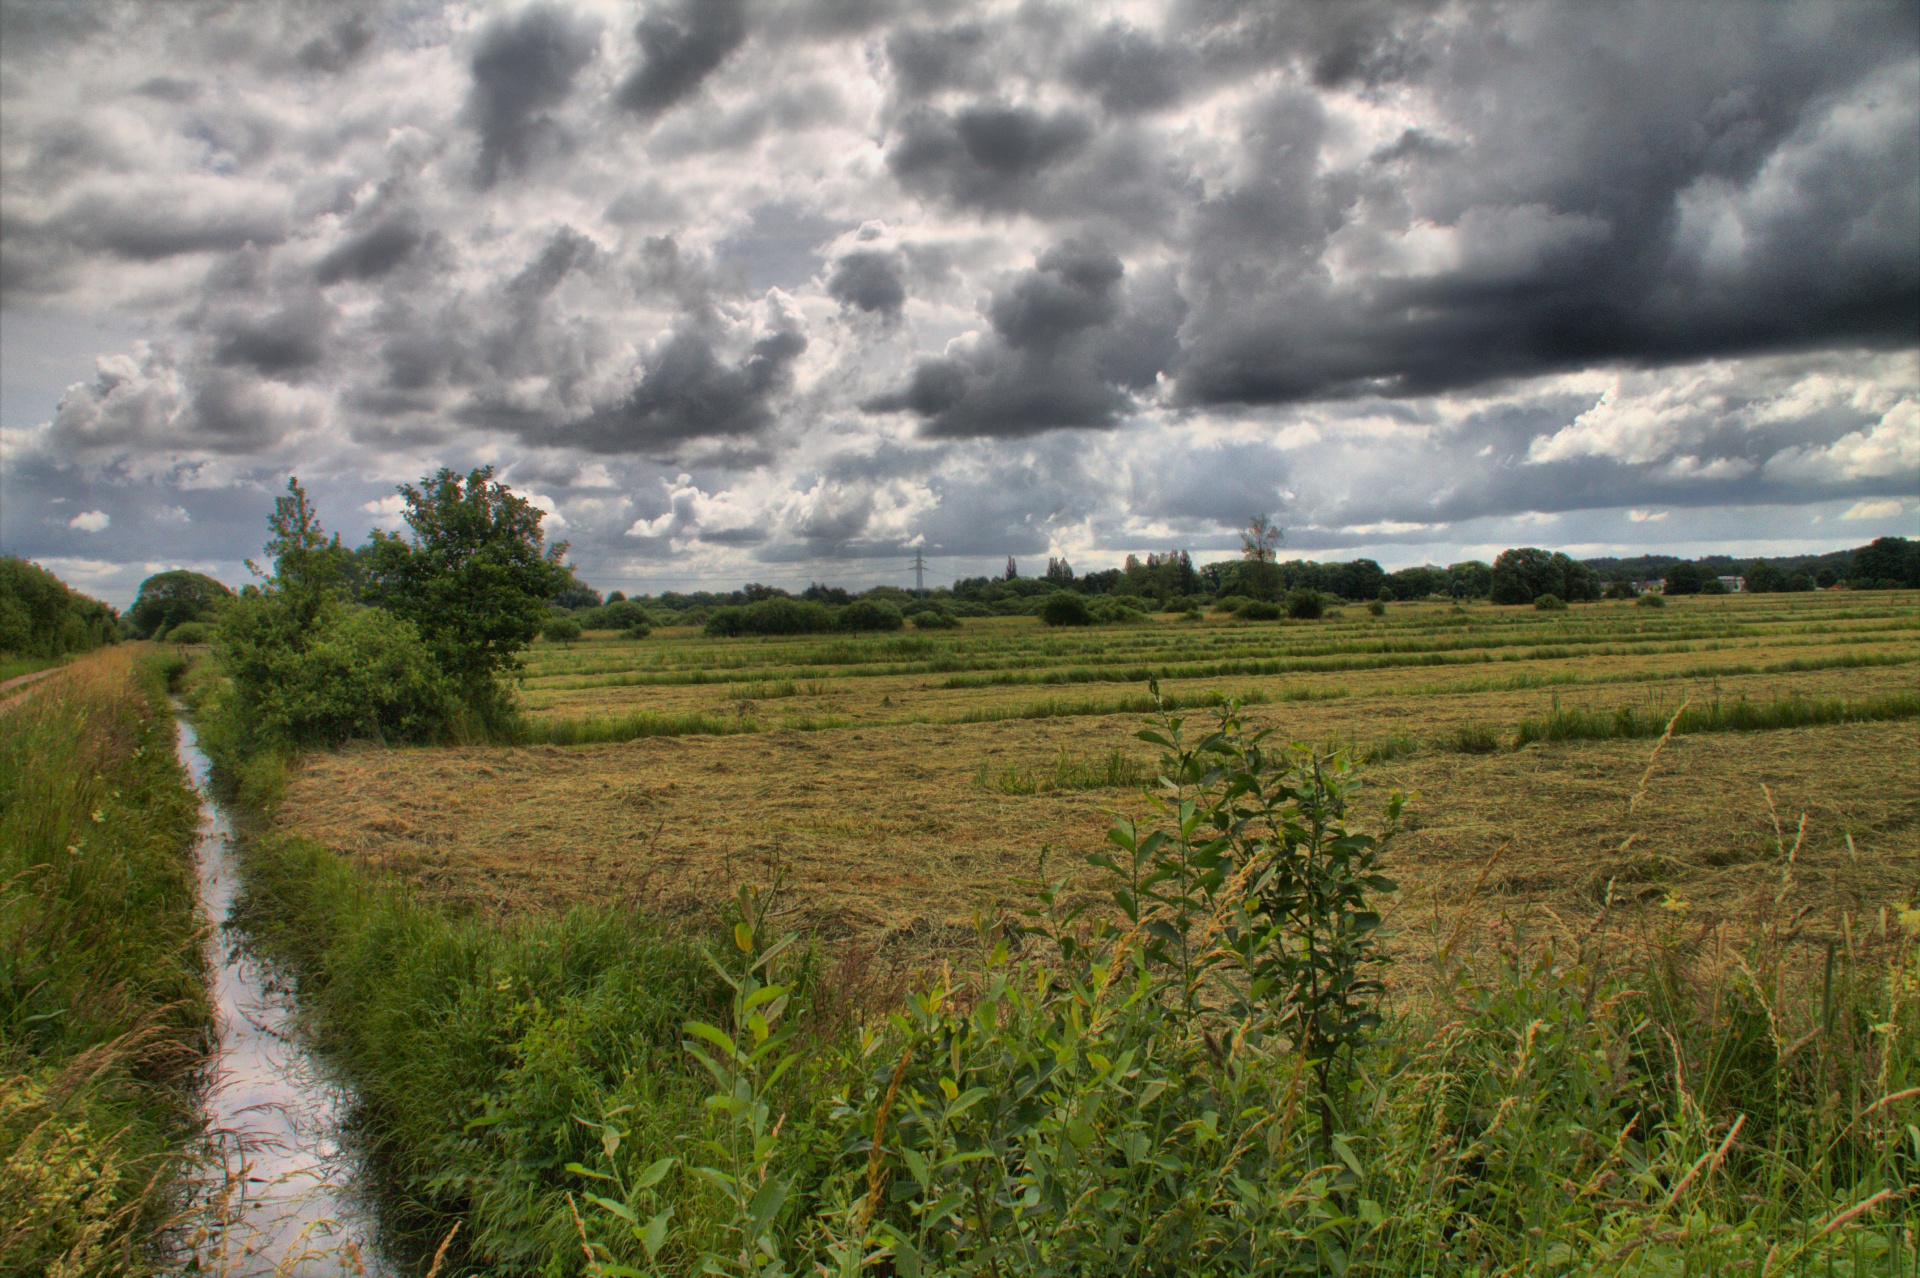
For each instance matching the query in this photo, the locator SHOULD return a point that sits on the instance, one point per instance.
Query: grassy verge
(102, 984)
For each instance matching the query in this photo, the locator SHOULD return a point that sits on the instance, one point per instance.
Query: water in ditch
(285, 1192)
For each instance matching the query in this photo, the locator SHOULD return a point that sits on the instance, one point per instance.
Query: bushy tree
(41, 617)
(870, 614)
(474, 577)
(1304, 604)
(168, 599)
(1620, 590)
(1469, 579)
(1763, 578)
(1065, 608)
(575, 596)
(935, 619)
(775, 616)
(1522, 575)
(1260, 610)
(1684, 579)
(562, 630)
(1894, 561)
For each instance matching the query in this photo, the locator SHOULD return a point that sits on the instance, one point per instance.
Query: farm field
(904, 782)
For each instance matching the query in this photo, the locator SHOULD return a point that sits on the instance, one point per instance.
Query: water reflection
(283, 1192)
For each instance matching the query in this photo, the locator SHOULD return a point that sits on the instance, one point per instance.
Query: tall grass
(1114, 770)
(103, 1007)
(1579, 723)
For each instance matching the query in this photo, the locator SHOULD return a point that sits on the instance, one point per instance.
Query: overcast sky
(784, 291)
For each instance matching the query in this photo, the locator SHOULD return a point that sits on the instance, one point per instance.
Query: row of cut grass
(1581, 723)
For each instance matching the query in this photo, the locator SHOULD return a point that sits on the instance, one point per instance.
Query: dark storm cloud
(868, 281)
(686, 392)
(281, 345)
(1130, 71)
(1071, 346)
(927, 60)
(373, 252)
(143, 228)
(521, 69)
(680, 46)
(988, 156)
(1572, 194)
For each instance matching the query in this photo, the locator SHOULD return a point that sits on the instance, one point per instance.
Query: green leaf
(700, 1029)
(766, 1202)
(743, 937)
(578, 1170)
(651, 1176)
(654, 1236)
(621, 1210)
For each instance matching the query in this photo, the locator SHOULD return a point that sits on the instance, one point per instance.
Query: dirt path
(21, 681)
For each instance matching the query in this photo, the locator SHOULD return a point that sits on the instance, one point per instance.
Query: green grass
(607, 729)
(1579, 723)
(1062, 708)
(103, 1006)
(1115, 770)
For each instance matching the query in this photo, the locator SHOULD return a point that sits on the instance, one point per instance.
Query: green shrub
(1713, 586)
(775, 616)
(361, 672)
(1377, 608)
(189, 632)
(1305, 605)
(638, 631)
(1259, 610)
(1651, 600)
(935, 619)
(1620, 590)
(1065, 608)
(1117, 609)
(1550, 603)
(561, 630)
(870, 615)
(1230, 603)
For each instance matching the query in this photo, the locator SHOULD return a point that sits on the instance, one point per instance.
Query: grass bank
(103, 1005)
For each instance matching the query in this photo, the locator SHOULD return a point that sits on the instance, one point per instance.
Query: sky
(791, 290)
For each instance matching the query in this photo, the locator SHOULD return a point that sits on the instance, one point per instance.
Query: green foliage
(1230, 603)
(1377, 609)
(935, 619)
(474, 578)
(1064, 608)
(869, 615)
(1620, 590)
(103, 1004)
(1113, 609)
(1713, 586)
(1520, 576)
(1888, 561)
(562, 630)
(189, 632)
(1651, 600)
(169, 599)
(1550, 603)
(41, 617)
(1305, 605)
(352, 672)
(1684, 578)
(776, 616)
(1262, 609)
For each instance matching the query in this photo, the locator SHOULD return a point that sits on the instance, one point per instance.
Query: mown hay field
(905, 784)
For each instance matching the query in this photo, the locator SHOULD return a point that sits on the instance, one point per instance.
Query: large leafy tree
(167, 599)
(474, 577)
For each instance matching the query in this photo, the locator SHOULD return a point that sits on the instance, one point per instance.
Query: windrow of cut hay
(1652, 719)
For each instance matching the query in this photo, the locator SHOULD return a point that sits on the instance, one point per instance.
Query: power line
(919, 571)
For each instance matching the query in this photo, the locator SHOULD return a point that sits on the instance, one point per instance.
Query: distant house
(1656, 586)
(1734, 585)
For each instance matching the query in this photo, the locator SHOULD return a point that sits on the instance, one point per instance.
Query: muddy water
(284, 1192)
